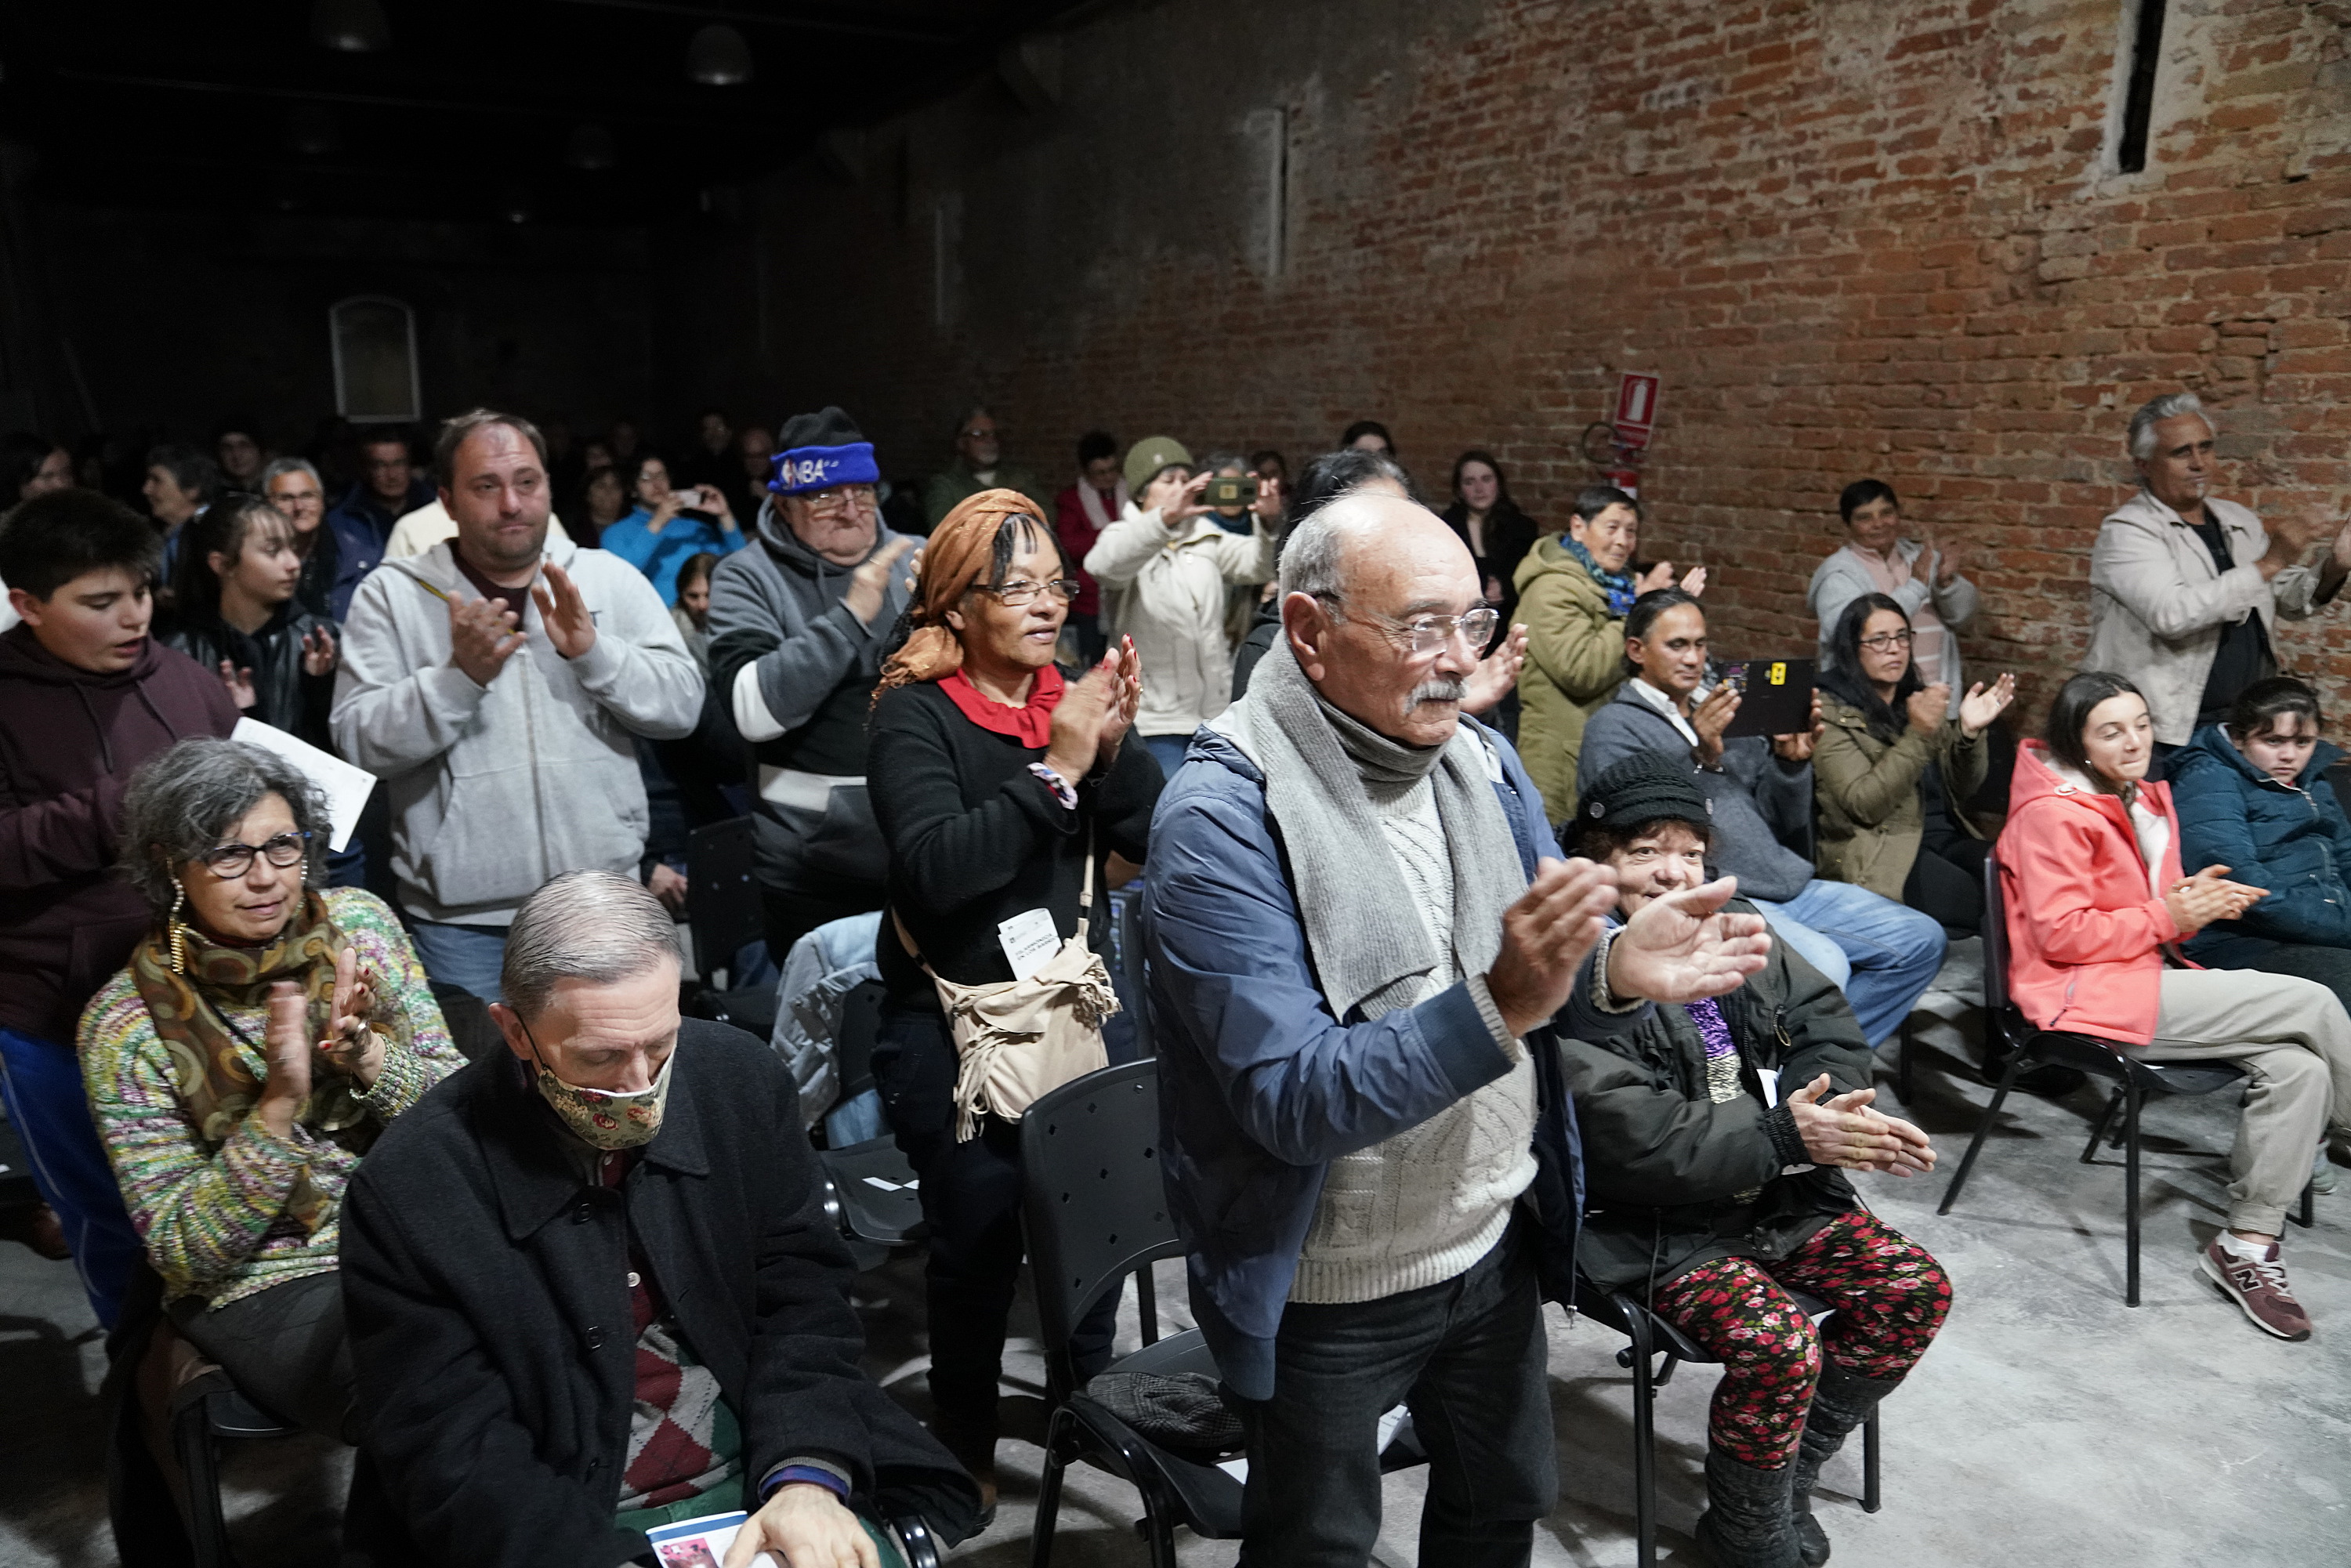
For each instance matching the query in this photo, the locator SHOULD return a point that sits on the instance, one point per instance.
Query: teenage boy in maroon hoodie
(86, 696)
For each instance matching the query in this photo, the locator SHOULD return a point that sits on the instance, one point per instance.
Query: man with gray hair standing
(1361, 937)
(592, 1288)
(496, 682)
(2186, 589)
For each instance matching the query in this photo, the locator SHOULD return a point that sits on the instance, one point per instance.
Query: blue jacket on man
(1260, 1087)
(362, 526)
(2295, 841)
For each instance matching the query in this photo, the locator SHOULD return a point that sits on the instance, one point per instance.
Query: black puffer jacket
(1664, 1165)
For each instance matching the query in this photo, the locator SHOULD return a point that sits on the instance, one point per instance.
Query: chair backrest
(1092, 1202)
(1995, 936)
(861, 1031)
(722, 897)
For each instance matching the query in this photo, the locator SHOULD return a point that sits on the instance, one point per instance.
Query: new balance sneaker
(2258, 1285)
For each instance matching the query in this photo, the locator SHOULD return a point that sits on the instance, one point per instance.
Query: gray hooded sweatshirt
(496, 788)
(796, 671)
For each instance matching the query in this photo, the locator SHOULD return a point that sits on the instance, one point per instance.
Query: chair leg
(192, 1436)
(1049, 1490)
(2098, 1130)
(1644, 1448)
(1975, 1145)
(2130, 1196)
(1902, 1065)
(1870, 1501)
(1159, 1533)
(1146, 1303)
(2306, 1214)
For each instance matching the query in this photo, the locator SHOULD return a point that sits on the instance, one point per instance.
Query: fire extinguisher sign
(1636, 402)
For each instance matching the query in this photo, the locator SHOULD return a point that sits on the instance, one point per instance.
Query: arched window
(375, 361)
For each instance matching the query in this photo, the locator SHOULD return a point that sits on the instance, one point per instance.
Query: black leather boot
(1841, 1401)
(1746, 1524)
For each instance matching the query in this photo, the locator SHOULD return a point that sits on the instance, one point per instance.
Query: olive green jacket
(1576, 661)
(1866, 793)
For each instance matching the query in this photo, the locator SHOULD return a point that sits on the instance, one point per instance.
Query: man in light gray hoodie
(798, 623)
(497, 684)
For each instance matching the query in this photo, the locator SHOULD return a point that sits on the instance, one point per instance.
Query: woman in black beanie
(1713, 1136)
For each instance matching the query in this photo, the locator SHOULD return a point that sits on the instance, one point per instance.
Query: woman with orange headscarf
(996, 780)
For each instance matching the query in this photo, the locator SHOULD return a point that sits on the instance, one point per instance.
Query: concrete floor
(2051, 1424)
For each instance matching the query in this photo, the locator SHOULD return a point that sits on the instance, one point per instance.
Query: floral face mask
(601, 1118)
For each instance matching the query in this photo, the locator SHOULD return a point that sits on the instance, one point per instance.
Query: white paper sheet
(346, 787)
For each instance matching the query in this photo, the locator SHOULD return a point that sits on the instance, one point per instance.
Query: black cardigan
(486, 1290)
(975, 839)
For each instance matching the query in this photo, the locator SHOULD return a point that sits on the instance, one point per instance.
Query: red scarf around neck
(1031, 724)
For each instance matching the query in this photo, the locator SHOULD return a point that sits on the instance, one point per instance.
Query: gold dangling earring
(178, 944)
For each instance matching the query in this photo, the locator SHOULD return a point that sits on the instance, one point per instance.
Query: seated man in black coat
(592, 1288)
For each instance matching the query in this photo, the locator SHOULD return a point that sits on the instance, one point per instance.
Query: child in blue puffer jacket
(2253, 795)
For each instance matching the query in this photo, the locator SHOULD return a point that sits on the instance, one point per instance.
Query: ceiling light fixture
(349, 27)
(717, 57)
(591, 148)
(312, 131)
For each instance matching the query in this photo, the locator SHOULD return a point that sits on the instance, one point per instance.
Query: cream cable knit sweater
(1420, 1207)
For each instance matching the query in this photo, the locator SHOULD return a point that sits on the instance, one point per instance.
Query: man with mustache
(1361, 939)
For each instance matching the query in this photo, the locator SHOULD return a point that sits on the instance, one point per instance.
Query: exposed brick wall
(1856, 238)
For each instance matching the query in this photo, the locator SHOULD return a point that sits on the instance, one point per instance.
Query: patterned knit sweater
(214, 1223)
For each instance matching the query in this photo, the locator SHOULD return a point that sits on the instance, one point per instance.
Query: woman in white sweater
(1164, 566)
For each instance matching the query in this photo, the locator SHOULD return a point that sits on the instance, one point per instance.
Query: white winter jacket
(1166, 591)
(2157, 604)
(496, 788)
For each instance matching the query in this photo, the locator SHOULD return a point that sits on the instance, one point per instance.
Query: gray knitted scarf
(1323, 770)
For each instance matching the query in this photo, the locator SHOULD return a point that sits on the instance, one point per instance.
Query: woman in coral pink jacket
(2097, 907)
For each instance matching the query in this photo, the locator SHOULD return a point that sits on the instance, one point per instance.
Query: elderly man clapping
(1361, 937)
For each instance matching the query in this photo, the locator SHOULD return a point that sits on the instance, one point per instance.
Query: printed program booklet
(702, 1543)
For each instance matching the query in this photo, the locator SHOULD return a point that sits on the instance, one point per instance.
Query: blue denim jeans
(1880, 954)
(42, 1081)
(466, 957)
(1169, 749)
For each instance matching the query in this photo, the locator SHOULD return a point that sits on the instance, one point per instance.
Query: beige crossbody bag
(1016, 1040)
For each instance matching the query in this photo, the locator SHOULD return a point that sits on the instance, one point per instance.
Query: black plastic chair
(205, 1410)
(2133, 1079)
(1095, 1211)
(871, 1191)
(723, 908)
(1651, 1336)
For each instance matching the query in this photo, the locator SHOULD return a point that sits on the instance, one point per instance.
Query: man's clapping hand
(869, 585)
(483, 636)
(1546, 935)
(1682, 947)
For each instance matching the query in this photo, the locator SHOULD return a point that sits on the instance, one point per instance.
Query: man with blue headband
(798, 623)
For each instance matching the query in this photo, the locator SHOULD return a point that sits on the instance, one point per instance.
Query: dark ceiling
(480, 110)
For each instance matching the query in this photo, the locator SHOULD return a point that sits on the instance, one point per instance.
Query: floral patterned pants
(1889, 1298)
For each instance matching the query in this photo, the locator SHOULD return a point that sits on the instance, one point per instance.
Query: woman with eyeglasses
(1002, 787)
(261, 1038)
(1896, 764)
